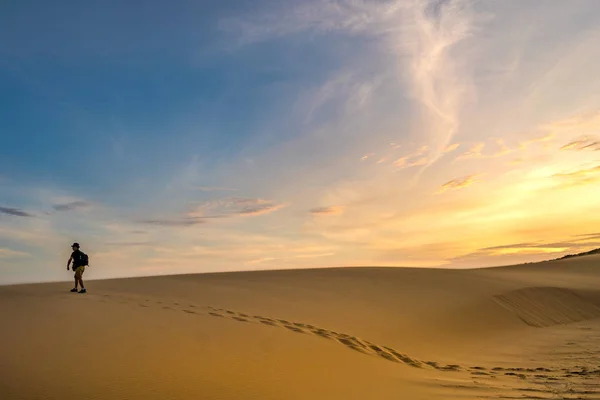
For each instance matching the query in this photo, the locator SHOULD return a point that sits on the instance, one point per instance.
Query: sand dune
(530, 331)
(547, 306)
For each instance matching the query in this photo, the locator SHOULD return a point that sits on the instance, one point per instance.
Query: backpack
(83, 259)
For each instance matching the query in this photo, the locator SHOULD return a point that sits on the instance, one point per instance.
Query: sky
(195, 137)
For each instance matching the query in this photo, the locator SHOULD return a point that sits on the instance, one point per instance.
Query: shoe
(82, 291)
(73, 290)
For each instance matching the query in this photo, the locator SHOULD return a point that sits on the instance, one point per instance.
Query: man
(79, 263)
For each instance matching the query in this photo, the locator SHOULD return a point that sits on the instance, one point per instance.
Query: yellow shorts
(79, 271)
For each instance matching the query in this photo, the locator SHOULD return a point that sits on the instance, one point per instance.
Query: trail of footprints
(365, 347)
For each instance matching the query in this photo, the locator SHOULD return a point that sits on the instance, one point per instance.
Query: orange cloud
(473, 152)
(420, 161)
(223, 208)
(180, 222)
(413, 160)
(451, 148)
(401, 162)
(262, 260)
(254, 206)
(582, 122)
(539, 139)
(517, 161)
(332, 210)
(583, 143)
(367, 156)
(458, 183)
(504, 149)
(234, 206)
(422, 150)
(404, 162)
(579, 177)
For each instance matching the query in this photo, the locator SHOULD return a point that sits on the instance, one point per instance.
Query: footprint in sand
(521, 376)
(476, 368)
(323, 333)
(214, 314)
(294, 329)
(368, 348)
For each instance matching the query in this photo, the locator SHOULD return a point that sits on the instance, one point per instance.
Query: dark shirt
(76, 256)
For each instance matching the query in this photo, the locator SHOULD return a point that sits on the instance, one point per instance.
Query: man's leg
(80, 277)
(76, 281)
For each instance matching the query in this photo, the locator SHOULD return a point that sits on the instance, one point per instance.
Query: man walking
(80, 261)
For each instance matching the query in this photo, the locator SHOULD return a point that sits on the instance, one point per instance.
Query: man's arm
(69, 262)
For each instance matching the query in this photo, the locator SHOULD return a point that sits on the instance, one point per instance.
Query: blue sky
(199, 137)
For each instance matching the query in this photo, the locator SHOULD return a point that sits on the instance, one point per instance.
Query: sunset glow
(297, 134)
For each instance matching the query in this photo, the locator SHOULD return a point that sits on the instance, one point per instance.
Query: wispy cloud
(8, 253)
(503, 149)
(331, 210)
(182, 222)
(421, 33)
(582, 123)
(262, 260)
(579, 177)
(458, 183)
(346, 88)
(14, 211)
(367, 156)
(235, 206)
(440, 82)
(536, 140)
(131, 244)
(215, 189)
(587, 236)
(540, 248)
(473, 152)
(476, 150)
(74, 205)
(217, 209)
(451, 148)
(257, 207)
(583, 143)
(413, 159)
